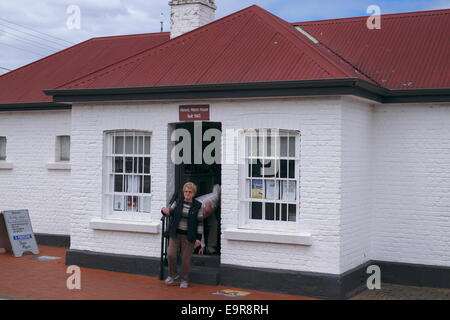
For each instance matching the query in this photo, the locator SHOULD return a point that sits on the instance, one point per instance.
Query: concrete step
(202, 275)
(211, 261)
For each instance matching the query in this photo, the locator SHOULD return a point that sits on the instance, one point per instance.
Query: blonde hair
(190, 185)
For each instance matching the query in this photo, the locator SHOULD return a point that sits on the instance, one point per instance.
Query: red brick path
(25, 278)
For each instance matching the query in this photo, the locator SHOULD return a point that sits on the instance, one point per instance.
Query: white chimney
(187, 15)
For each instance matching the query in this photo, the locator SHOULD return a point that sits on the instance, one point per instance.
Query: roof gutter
(34, 106)
(348, 86)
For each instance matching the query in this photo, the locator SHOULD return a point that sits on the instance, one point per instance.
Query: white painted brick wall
(88, 125)
(356, 183)
(375, 181)
(411, 184)
(317, 119)
(30, 185)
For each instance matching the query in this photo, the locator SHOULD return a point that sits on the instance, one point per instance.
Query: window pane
(270, 211)
(64, 148)
(119, 203)
(292, 169)
(139, 145)
(146, 165)
(129, 165)
(254, 147)
(283, 146)
(132, 203)
(256, 168)
(138, 166)
(269, 168)
(272, 189)
(292, 214)
(118, 164)
(133, 184)
(257, 189)
(291, 146)
(283, 168)
(145, 207)
(147, 184)
(277, 211)
(283, 212)
(147, 145)
(129, 145)
(118, 183)
(256, 210)
(288, 190)
(269, 144)
(118, 145)
(2, 148)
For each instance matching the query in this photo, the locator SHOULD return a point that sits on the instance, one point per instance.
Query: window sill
(6, 165)
(58, 166)
(268, 236)
(127, 226)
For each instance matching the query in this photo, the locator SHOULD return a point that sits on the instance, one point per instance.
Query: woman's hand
(166, 211)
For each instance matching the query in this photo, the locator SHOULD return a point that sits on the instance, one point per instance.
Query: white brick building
(369, 164)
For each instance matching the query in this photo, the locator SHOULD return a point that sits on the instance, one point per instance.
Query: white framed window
(2, 148)
(62, 149)
(270, 179)
(127, 174)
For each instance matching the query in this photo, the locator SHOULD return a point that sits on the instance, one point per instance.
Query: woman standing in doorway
(185, 232)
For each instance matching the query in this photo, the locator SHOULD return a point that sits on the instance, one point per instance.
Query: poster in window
(132, 203)
(271, 190)
(288, 190)
(257, 189)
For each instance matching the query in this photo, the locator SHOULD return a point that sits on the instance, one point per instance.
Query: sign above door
(194, 112)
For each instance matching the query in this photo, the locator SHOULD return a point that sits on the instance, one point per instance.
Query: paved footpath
(397, 292)
(23, 278)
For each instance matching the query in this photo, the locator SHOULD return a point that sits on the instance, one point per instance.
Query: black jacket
(175, 218)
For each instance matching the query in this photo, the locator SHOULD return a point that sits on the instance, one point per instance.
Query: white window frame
(110, 196)
(245, 221)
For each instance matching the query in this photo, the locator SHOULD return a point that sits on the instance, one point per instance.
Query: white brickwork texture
(411, 184)
(31, 138)
(356, 181)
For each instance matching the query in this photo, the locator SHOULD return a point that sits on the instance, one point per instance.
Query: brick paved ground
(22, 278)
(397, 292)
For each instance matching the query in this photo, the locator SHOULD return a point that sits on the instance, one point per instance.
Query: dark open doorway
(204, 175)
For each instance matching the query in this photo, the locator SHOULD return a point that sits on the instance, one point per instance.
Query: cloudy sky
(32, 29)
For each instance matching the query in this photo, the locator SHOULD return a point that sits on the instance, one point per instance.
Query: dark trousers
(180, 242)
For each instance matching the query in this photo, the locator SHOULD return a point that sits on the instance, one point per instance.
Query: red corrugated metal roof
(410, 51)
(25, 84)
(251, 45)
